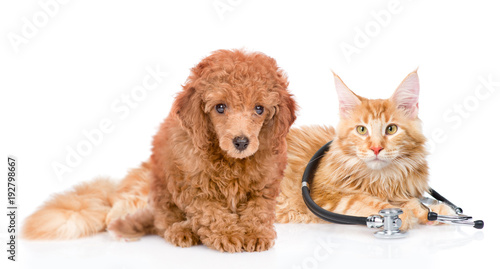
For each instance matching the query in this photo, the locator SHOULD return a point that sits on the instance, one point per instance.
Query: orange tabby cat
(376, 160)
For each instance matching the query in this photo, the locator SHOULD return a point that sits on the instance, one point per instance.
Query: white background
(81, 57)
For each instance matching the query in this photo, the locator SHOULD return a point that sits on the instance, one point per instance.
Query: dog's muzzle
(241, 142)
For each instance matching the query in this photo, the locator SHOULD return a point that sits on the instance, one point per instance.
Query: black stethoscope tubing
(307, 180)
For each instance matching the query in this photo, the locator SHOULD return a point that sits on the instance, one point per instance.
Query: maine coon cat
(376, 161)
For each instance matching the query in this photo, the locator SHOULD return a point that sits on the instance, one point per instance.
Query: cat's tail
(72, 214)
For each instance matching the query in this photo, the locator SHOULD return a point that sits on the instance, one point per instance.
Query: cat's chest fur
(397, 182)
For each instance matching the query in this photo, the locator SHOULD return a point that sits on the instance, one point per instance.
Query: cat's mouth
(376, 163)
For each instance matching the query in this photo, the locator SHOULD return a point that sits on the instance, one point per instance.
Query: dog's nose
(240, 142)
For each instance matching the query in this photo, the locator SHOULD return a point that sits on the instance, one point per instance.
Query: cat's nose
(376, 150)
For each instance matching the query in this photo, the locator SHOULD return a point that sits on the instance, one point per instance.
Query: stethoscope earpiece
(456, 220)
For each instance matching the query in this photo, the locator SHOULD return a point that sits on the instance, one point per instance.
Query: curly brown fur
(205, 184)
(206, 189)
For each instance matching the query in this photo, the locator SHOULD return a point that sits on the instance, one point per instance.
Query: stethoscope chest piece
(389, 221)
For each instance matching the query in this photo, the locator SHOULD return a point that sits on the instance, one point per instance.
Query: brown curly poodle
(214, 173)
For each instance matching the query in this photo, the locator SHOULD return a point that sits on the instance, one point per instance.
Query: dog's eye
(220, 108)
(259, 110)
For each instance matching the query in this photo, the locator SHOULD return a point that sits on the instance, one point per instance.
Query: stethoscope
(388, 218)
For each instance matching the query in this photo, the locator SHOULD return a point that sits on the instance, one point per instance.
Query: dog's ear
(188, 106)
(283, 117)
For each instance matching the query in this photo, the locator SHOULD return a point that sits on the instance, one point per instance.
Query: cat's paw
(117, 229)
(408, 220)
(123, 208)
(441, 209)
(116, 212)
(413, 213)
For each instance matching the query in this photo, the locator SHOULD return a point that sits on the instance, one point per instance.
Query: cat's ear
(347, 99)
(406, 95)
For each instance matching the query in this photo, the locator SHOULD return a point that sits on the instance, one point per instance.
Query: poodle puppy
(216, 163)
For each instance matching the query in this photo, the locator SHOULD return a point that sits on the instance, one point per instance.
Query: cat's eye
(391, 129)
(361, 130)
(220, 108)
(259, 110)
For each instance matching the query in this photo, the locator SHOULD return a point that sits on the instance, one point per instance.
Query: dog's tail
(73, 214)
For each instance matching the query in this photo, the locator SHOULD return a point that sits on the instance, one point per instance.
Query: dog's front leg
(174, 227)
(216, 226)
(257, 217)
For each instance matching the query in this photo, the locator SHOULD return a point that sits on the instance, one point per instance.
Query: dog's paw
(252, 244)
(181, 236)
(259, 241)
(224, 243)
